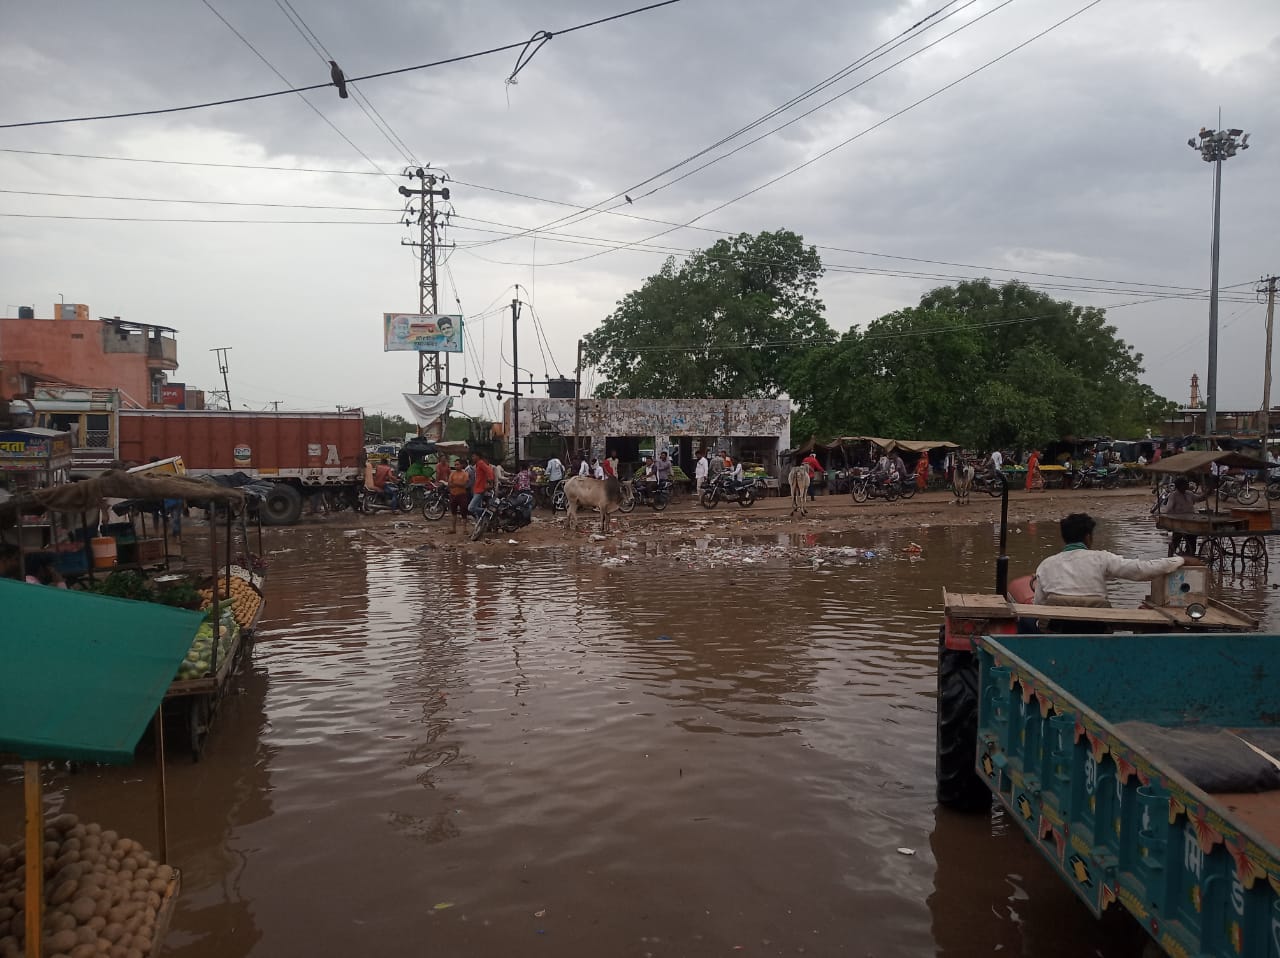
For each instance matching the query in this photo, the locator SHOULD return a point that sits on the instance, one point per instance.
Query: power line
(843, 143)
(362, 101)
(321, 86)
(271, 66)
(203, 163)
(1118, 287)
(178, 219)
(158, 199)
(834, 78)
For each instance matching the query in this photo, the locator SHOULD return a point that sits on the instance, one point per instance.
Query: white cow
(962, 481)
(602, 494)
(798, 480)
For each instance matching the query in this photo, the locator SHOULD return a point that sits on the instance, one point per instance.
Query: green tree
(388, 426)
(983, 365)
(728, 323)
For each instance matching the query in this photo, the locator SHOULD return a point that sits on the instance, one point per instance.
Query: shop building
(753, 430)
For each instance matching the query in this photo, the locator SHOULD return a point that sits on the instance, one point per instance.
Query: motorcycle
(504, 513)
(867, 486)
(1096, 478)
(725, 487)
(656, 495)
(991, 485)
(375, 500)
(434, 500)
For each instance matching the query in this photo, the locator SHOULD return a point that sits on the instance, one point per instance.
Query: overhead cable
(320, 86)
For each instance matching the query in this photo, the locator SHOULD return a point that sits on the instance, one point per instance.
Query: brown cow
(602, 494)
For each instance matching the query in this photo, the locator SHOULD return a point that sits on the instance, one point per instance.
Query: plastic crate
(72, 563)
(150, 551)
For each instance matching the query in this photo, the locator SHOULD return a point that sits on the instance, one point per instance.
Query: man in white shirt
(555, 469)
(995, 462)
(584, 468)
(1077, 576)
(701, 471)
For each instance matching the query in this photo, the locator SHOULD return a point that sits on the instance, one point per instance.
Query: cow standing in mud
(798, 480)
(962, 482)
(603, 494)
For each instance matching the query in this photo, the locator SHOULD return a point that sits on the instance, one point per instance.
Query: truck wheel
(958, 784)
(282, 507)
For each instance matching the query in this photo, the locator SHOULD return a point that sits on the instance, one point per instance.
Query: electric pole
(1267, 285)
(515, 378)
(222, 368)
(429, 364)
(1214, 147)
(577, 400)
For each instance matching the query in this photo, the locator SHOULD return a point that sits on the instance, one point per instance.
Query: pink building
(71, 348)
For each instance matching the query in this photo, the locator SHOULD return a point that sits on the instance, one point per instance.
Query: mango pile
(245, 600)
(102, 894)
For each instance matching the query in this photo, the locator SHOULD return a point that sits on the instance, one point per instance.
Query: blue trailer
(1095, 745)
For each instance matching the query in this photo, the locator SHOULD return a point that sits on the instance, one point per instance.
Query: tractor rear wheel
(958, 784)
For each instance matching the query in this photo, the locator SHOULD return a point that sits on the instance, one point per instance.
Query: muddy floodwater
(706, 746)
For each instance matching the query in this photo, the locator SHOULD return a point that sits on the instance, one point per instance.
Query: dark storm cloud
(1067, 157)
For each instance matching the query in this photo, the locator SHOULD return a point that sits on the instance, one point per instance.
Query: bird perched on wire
(627, 198)
(339, 78)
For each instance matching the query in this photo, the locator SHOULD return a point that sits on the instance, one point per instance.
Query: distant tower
(1195, 392)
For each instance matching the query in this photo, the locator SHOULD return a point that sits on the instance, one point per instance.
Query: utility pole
(275, 405)
(1214, 147)
(577, 400)
(428, 295)
(515, 378)
(1268, 286)
(222, 368)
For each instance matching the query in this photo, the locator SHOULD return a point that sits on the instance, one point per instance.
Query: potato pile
(102, 893)
(244, 599)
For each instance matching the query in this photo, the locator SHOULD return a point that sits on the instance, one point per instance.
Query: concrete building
(70, 348)
(754, 430)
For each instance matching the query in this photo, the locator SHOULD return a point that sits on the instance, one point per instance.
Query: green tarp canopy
(84, 673)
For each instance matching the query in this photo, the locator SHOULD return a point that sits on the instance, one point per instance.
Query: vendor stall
(1236, 535)
(83, 677)
(229, 595)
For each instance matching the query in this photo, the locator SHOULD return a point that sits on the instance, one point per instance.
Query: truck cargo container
(298, 451)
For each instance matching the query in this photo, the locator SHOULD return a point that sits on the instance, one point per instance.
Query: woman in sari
(922, 471)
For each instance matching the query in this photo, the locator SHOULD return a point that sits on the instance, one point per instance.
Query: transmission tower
(433, 368)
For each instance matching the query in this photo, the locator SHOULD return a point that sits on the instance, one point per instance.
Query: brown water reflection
(722, 743)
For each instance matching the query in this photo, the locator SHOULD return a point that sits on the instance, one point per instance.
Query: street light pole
(1214, 147)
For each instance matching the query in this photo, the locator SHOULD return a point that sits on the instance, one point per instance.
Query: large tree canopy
(980, 364)
(728, 323)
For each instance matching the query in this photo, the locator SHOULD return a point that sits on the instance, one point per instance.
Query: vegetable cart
(232, 605)
(1159, 796)
(83, 677)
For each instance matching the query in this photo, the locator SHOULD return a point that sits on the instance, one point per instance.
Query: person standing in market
(1034, 480)
(584, 467)
(484, 478)
(701, 472)
(611, 465)
(922, 472)
(459, 493)
(442, 467)
(661, 471)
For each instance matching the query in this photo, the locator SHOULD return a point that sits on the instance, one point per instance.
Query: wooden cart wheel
(1213, 553)
(1254, 551)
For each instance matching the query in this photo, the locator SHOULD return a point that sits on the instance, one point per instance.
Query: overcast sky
(1068, 157)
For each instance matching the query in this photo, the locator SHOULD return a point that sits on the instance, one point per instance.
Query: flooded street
(718, 746)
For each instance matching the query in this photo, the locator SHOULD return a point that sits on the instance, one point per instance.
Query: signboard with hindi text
(411, 332)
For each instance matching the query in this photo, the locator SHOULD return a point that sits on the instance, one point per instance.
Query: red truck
(295, 450)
